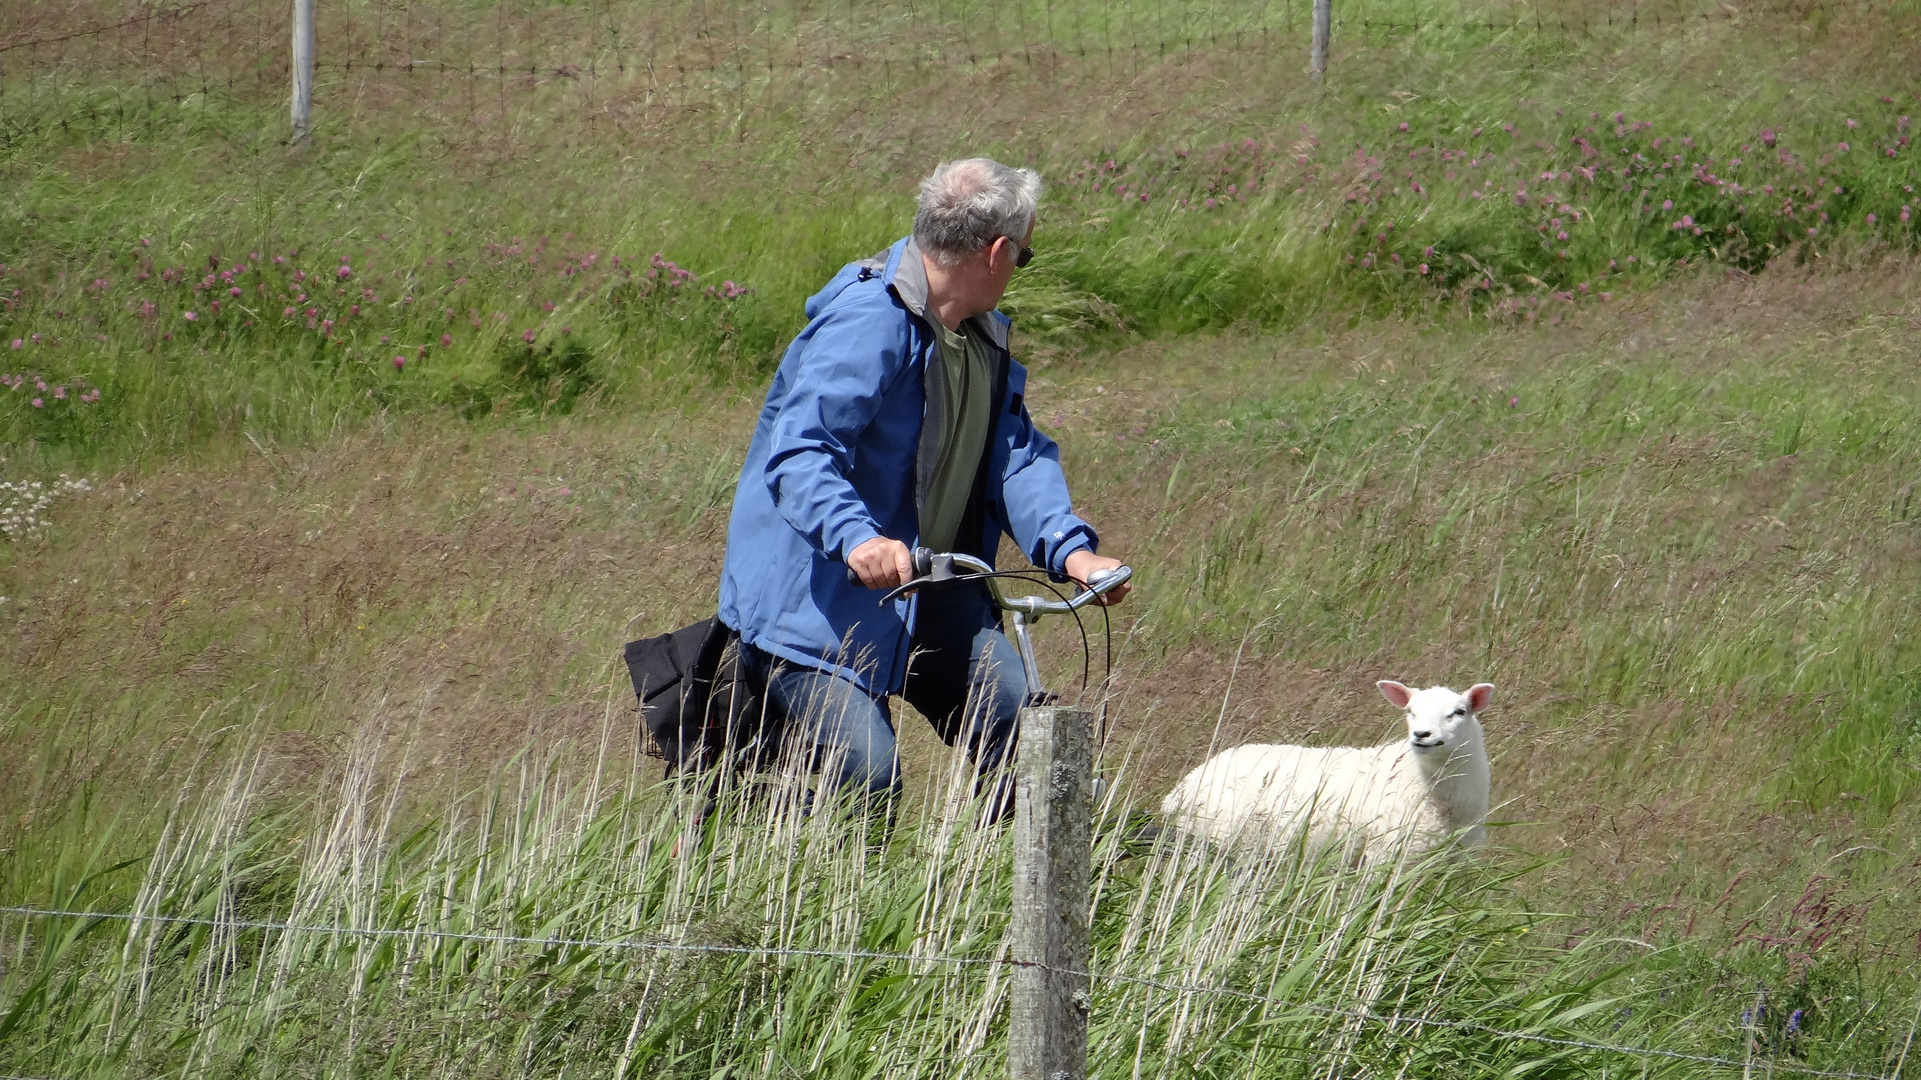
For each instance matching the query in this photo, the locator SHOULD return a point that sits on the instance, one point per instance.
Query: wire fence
(1393, 1021)
(99, 60)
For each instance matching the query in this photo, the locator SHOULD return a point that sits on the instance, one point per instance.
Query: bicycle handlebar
(935, 568)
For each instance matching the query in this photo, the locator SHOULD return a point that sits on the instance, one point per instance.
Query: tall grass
(1669, 513)
(548, 925)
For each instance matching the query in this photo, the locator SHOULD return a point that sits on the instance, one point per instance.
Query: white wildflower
(23, 505)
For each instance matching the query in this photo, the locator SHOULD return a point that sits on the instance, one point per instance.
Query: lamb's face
(1438, 719)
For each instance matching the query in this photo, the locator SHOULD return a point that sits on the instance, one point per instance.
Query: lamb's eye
(1458, 710)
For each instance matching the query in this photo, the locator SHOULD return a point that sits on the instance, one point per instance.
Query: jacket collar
(906, 274)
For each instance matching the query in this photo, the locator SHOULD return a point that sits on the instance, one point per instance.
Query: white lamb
(1419, 792)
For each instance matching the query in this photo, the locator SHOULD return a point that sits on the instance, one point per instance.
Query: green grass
(1670, 515)
(1178, 205)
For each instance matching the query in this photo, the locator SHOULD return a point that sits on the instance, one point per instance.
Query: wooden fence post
(302, 69)
(1323, 29)
(1053, 795)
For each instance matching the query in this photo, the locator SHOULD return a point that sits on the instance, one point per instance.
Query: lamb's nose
(1424, 734)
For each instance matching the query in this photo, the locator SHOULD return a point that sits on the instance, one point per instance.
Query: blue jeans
(962, 674)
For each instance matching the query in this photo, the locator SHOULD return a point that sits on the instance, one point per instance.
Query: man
(895, 421)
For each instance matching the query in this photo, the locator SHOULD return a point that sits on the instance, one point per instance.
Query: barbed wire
(1186, 989)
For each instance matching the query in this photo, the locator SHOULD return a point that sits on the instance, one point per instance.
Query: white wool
(1414, 793)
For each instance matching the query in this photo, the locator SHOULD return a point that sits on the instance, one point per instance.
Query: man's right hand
(881, 563)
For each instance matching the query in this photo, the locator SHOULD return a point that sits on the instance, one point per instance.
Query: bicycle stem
(1030, 667)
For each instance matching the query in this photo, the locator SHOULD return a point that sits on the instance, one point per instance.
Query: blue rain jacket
(843, 452)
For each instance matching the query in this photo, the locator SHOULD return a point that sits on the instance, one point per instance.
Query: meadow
(1580, 363)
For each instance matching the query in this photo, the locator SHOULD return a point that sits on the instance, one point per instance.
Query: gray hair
(966, 205)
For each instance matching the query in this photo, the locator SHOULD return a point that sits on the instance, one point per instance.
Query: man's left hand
(1083, 563)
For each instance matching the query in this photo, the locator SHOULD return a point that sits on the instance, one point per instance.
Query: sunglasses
(1023, 254)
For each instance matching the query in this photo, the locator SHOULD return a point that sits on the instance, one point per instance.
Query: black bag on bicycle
(697, 700)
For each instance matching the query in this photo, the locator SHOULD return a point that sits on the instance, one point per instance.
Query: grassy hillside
(1347, 419)
(498, 236)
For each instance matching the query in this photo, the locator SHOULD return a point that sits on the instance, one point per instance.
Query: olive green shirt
(967, 417)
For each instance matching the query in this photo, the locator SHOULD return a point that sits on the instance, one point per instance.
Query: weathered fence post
(302, 69)
(1323, 29)
(1049, 993)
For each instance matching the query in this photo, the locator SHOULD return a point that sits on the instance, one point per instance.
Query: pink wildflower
(39, 404)
(18, 343)
(191, 317)
(446, 340)
(344, 272)
(399, 362)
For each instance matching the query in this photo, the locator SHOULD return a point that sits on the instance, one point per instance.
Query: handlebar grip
(923, 566)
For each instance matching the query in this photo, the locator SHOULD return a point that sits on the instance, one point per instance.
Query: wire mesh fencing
(117, 61)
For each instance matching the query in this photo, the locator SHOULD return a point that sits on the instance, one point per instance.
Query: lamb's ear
(1478, 695)
(1396, 694)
